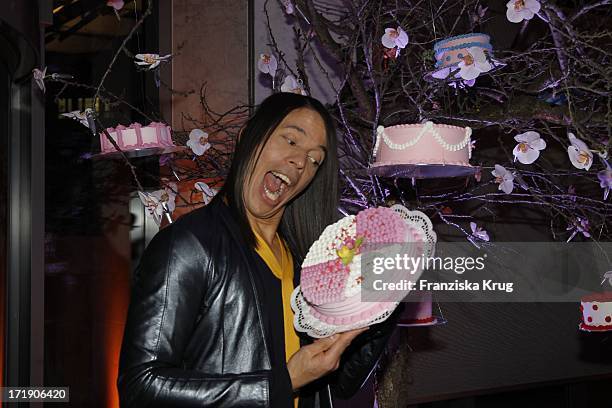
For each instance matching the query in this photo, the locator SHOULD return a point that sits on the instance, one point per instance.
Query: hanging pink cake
(136, 137)
(426, 143)
(418, 310)
(328, 299)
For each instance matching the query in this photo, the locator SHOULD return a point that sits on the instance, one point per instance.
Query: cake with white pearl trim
(423, 144)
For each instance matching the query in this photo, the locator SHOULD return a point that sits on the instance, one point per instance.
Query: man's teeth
(281, 176)
(274, 195)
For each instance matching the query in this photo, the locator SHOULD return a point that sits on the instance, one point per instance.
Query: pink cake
(426, 143)
(136, 137)
(328, 299)
(596, 312)
(417, 309)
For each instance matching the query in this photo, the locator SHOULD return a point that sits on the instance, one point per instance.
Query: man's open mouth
(275, 184)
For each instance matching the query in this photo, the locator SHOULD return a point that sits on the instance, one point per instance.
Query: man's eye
(291, 142)
(314, 161)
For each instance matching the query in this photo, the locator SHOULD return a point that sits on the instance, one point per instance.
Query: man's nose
(298, 160)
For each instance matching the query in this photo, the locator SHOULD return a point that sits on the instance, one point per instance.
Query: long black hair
(307, 214)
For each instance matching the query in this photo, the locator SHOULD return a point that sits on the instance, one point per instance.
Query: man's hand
(319, 358)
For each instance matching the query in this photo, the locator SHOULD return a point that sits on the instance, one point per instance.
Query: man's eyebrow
(299, 129)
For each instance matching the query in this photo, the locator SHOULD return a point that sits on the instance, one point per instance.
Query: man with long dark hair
(209, 322)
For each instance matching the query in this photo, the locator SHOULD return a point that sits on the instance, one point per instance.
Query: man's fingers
(343, 341)
(324, 343)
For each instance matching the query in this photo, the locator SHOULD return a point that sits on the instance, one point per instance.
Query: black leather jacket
(194, 335)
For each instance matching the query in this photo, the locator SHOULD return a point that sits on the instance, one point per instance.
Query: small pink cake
(418, 310)
(426, 143)
(596, 312)
(136, 137)
(328, 299)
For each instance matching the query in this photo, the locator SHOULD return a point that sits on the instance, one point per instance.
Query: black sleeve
(166, 294)
(360, 357)
(281, 391)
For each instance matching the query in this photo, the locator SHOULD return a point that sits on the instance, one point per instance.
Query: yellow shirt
(284, 272)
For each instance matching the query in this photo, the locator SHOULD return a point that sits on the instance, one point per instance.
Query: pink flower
(116, 4)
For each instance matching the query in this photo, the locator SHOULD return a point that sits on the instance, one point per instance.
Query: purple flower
(478, 232)
(605, 180)
(579, 225)
(288, 4)
(164, 159)
(267, 64)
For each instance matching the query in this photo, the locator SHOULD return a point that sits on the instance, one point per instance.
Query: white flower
(150, 61)
(504, 177)
(150, 203)
(608, 276)
(394, 38)
(473, 63)
(207, 192)
(519, 10)
(39, 77)
(292, 85)
(528, 149)
(159, 202)
(579, 153)
(198, 142)
(165, 198)
(78, 116)
(267, 64)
